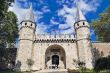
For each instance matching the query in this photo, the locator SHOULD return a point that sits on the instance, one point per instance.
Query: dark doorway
(55, 61)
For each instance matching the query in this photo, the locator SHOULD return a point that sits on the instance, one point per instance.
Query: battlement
(57, 36)
(54, 38)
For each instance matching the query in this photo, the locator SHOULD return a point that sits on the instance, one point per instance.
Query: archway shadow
(55, 50)
(18, 65)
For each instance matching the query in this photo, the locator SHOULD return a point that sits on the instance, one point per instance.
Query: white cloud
(68, 31)
(70, 13)
(20, 12)
(86, 7)
(70, 20)
(66, 10)
(41, 28)
(45, 9)
(38, 15)
(52, 21)
(63, 26)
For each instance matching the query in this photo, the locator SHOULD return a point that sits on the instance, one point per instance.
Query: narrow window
(77, 24)
(25, 23)
(83, 23)
(31, 24)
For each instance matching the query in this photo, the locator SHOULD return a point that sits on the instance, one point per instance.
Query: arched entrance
(55, 57)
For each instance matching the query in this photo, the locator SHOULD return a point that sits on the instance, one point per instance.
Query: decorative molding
(27, 21)
(25, 39)
(82, 26)
(83, 39)
(27, 27)
(54, 41)
(79, 21)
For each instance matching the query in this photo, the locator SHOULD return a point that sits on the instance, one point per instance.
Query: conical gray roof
(79, 15)
(30, 15)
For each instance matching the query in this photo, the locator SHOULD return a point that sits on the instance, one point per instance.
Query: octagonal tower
(84, 47)
(26, 39)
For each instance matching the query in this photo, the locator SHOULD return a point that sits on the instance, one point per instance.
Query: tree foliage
(4, 5)
(10, 27)
(102, 26)
(29, 62)
(8, 31)
(102, 63)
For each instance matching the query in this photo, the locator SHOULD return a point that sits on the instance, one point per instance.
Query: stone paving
(52, 71)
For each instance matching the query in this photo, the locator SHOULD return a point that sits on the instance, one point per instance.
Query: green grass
(9, 72)
(13, 72)
(70, 71)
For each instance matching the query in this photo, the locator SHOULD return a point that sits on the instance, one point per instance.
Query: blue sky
(58, 16)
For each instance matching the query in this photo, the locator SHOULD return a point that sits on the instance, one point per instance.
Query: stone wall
(40, 50)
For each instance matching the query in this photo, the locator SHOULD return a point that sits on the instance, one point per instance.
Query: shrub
(29, 62)
(73, 71)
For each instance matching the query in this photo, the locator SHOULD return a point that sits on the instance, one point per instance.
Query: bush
(29, 62)
(102, 64)
(73, 71)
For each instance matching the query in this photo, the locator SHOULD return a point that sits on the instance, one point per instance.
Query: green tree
(102, 26)
(102, 63)
(8, 31)
(10, 27)
(4, 5)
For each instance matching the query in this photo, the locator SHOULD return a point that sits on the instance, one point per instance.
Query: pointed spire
(30, 15)
(79, 15)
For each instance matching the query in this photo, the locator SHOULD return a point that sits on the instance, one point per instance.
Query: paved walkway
(52, 71)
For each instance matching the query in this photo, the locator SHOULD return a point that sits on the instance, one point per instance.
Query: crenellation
(58, 36)
(54, 41)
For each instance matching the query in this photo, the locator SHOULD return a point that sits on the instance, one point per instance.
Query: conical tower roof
(30, 15)
(79, 15)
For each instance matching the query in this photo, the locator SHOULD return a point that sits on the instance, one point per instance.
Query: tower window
(77, 24)
(25, 23)
(31, 24)
(83, 23)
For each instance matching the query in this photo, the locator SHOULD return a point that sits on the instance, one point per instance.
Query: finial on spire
(79, 13)
(30, 5)
(30, 15)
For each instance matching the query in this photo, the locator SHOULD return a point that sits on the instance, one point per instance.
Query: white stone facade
(41, 47)
(53, 51)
